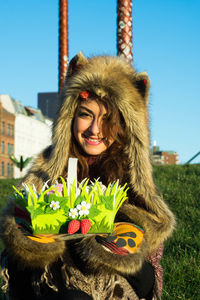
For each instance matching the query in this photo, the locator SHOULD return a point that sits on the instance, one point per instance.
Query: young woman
(103, 121)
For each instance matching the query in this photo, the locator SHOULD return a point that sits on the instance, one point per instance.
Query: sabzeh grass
(104, 203)
(180, 187)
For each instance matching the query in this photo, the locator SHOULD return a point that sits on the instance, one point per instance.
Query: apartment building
(163, 157)
(26, 133)
(7, 128)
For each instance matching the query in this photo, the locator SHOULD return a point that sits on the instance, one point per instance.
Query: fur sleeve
(157, 228)
(24, 250)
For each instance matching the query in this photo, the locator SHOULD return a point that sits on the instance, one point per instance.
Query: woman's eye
(84, 114)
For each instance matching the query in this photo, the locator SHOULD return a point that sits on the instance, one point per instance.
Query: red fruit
(73, 226)
(85, 226)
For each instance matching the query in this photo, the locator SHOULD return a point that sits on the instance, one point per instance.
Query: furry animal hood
(116, 79)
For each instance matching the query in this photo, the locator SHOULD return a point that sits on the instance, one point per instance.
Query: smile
(92, 141)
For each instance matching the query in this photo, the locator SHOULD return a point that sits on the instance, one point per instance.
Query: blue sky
(166, 45)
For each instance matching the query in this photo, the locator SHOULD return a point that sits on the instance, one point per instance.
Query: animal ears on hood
(76, 63)
(140, 80)
(142, 84)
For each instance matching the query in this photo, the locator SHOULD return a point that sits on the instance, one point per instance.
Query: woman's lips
(93, 141)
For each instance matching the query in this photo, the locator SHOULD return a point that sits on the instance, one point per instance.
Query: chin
(93, 151)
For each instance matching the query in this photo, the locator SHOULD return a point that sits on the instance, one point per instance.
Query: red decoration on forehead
(84, 94)
(145, 81)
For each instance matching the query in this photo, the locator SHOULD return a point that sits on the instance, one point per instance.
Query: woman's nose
(95, 127)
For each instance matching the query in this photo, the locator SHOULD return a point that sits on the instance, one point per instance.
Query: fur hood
(105, 76)
(128, 90)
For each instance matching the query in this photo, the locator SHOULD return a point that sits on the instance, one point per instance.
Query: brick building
(24, 131)
(7, 129)
(160, 157)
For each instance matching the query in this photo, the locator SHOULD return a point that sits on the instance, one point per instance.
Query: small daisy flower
(73, 213)
(83, 208)
(55, 205)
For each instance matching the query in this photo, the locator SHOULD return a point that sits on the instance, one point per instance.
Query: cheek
(80, 125)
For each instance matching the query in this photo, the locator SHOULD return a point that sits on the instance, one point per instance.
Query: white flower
(83, 208)
(73, 213)
(55, 205)
(102, 186)
(88, 189)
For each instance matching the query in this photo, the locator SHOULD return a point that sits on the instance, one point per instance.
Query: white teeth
(93, 140)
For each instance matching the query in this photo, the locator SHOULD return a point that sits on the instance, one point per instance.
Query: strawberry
(73, 226)
(85, 226)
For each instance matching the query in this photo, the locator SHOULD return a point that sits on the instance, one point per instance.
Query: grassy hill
(180, 186)
(6, 190)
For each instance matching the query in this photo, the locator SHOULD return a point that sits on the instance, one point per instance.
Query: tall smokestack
(154, 147)
(63, 41)
(124, 29)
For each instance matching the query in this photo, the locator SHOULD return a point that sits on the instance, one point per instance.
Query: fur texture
(26, 251)
(118, 81)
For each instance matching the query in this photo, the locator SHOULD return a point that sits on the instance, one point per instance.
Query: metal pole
(124, 29)
(63, 41)
(193, 157)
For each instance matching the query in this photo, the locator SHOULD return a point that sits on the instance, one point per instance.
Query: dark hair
(112, 163)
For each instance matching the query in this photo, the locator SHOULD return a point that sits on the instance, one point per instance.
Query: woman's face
(87, 127)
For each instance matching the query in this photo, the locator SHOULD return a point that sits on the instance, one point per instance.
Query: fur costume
(85, 264)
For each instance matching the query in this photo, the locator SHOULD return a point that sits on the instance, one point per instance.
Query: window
(11, 170)
(2, 147)
(2, 127)
(8, 170)
(8, 129)
(11, 130)
(2, 168)
(10, 149)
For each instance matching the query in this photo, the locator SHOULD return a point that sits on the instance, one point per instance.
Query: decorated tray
(68, 207)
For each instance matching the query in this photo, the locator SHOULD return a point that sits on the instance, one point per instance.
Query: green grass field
(180, 186)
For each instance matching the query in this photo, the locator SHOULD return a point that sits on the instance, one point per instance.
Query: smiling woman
(98, 134)
(87, 129)
(103, 122)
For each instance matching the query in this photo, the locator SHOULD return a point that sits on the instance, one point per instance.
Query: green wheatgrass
(104, 203)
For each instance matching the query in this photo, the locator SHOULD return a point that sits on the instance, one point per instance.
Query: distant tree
(21, 163)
